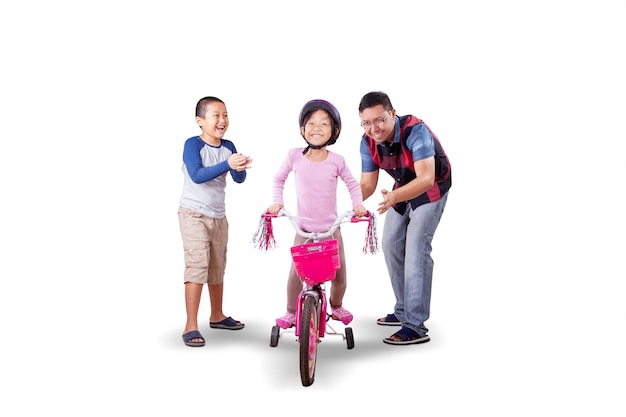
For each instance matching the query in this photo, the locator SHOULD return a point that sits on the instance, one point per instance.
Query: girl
(316, 173)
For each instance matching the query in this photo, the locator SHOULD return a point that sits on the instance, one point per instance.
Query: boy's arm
(198, 173)
(238, 175)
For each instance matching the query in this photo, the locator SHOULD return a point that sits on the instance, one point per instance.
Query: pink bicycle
(316, 263)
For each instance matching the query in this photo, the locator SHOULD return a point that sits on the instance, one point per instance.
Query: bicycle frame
(315, 265)
(318, 293)
(316, 290)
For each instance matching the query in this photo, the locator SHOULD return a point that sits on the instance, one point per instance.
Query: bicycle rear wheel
(309, 338)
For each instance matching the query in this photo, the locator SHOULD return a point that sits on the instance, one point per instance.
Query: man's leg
(393, 246)
(418, 268)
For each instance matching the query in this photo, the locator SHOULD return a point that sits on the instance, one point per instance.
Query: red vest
(397, 160)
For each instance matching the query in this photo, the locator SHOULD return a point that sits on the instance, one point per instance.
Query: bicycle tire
(274, 336)
(309, 338)
(349, 337)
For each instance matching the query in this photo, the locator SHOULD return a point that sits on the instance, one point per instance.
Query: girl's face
(215, 121)
(318, 129)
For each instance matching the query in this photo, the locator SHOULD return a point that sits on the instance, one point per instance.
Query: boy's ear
(199, 121)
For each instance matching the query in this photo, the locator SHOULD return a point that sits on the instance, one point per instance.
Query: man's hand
(389, 199)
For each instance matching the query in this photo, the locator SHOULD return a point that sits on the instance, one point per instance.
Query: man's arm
(369, 181)
(425, 171)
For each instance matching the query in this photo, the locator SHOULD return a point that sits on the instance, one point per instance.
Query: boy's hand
(239, 162)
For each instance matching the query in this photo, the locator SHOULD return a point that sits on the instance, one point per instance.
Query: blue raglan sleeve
(238, 176)
(193, 161)
(367, 163)
(421, 142)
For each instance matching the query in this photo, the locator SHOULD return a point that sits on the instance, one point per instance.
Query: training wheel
(274, 337)
(349, 337)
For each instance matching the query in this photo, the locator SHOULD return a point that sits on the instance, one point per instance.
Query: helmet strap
(310, 146)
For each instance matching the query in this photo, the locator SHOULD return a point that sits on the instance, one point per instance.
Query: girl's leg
(340, 283)
(294, 284)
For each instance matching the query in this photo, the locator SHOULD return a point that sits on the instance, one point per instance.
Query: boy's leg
(218, 245)
(194, 238)
(193, 292)
(216, 292)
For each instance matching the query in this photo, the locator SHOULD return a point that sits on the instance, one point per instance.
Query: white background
(97, 99)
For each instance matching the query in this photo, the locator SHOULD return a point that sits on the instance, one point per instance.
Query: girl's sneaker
(286, 321)
(342, 314)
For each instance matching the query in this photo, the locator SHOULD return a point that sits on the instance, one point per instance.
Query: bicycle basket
(316, 262)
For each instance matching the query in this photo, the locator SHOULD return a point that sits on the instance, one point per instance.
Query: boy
(207, 159)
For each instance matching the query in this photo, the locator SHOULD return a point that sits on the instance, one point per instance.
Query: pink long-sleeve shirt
(316, 188)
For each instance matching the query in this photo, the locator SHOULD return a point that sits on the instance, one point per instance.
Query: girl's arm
(354, 188)
(278, 184)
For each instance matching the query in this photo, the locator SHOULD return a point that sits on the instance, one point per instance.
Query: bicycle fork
(317, 292)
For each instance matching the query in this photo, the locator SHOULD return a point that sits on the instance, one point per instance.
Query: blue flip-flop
(228, 323)
(389, 320)
(407, 337)
(194, 334)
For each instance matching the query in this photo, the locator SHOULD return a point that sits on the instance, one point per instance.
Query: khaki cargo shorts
(205, 241)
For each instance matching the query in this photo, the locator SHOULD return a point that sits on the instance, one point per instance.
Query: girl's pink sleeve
(280, 177)
(354, 187)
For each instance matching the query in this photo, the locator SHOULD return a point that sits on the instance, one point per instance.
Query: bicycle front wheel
(309, 337)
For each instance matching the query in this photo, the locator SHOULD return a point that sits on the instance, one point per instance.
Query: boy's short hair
(203, 103)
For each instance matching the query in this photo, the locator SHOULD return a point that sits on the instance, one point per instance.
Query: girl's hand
(274, 208)
(359, 211)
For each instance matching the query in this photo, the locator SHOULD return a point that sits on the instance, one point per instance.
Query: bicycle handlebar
(319, 235)
(264, 236)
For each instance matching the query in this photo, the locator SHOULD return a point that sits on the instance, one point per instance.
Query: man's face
(377, 123)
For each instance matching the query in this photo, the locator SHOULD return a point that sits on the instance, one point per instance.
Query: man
(406, 149)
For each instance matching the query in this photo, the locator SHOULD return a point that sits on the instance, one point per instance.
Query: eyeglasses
(380, 121)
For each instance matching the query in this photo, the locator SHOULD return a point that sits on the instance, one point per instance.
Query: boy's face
(318, 129)
(378, 124)
(215, 121)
